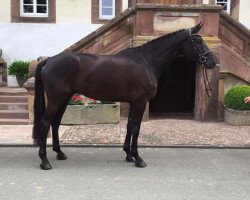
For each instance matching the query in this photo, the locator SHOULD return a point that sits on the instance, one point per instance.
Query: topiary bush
(234, 97)
(19, 68)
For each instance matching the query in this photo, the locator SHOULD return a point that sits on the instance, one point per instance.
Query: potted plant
(83, 110)
(238, 112)
(19, 69)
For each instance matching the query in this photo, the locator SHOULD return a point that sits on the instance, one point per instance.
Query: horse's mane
(159, 39)
(151, 42)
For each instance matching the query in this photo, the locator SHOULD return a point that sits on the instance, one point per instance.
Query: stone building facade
(222, 32)
(147, 19)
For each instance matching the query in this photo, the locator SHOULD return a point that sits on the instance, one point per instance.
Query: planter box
(237, 117)
(92, 114)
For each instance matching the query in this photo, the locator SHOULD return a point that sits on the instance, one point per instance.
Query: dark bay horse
(128, 76)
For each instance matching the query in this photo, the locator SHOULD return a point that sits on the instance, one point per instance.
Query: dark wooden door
(176, 89)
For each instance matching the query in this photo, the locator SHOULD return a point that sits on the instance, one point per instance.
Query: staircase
(235, 48)
(13, 106)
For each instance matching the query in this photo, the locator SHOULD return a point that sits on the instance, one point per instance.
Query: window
(34, 8)
(226, 4)
(107, 9)
(101, 10)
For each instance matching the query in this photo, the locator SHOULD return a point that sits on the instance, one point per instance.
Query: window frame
(228, 5)
(106, 17)
(34, 14)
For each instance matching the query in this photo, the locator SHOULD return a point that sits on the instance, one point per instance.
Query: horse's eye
(199, 41)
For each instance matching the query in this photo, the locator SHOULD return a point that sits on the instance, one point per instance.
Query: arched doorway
(176, 91)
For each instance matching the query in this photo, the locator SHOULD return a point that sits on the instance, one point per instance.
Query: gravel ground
(162, 132)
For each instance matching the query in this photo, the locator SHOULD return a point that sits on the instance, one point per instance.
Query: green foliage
(77, 102)
(19, 68)
(107, 102)
(234, 98)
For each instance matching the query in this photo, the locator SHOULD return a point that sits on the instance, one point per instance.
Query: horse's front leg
(136, 124)
(126, 146)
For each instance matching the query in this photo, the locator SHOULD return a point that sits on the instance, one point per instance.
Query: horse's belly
(108, 91)
(116, 83)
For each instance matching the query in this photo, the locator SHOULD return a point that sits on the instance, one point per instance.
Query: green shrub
(234, 98)
(19, 68)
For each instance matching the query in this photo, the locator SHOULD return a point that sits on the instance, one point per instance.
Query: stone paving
(157, 132)
(20, 134)
(162, 132)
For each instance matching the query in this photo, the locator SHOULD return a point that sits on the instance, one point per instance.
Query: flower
(78, 99)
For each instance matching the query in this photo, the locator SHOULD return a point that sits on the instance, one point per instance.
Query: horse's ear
(197, 28)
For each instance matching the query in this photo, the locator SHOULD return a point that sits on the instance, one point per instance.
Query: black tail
(39, 102)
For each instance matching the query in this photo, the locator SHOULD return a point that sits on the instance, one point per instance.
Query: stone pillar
(223, 76)
(3, 71)
(235, 9)
(30, 87)
(206, 107)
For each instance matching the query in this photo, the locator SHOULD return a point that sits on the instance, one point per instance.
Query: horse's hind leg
(55, 126)
(126, 146)
(45, 125)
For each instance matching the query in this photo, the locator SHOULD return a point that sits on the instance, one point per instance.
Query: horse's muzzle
(209, 64)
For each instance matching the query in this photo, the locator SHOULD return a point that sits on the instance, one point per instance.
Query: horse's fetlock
(134, 153)
(42, 154)
(56, 148)
(126, 149)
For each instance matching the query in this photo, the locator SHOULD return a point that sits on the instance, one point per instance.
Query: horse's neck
(162, 52)
(162, 61)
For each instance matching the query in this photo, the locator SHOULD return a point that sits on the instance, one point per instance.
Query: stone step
(13, 99)
(14, 122)
(13, 91)
(14, 114)
(13, 106)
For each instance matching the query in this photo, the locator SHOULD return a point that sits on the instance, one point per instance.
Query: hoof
(130, 159)
(140, 163)
(61, 156)
(45, 166)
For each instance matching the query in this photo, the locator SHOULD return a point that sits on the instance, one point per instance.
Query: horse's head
(195, 49)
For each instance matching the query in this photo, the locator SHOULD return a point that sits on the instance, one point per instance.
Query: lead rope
(209, 88)
(207, 84)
